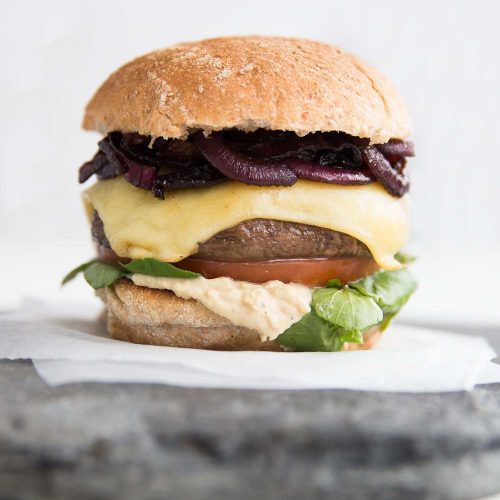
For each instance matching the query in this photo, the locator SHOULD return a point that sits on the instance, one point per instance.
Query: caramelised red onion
(201, 175)
(91, 167)
(399, 165)
(309, 170)
(287, 145)
(242, 168)
(136, 147)
(177, 152)
(336, 149)
(396, 183)
(110, 146)
(109, 171)
(263, 158)
(397, 147)
(141, 176)
(345, 156)
(283, 172)
(138, 169)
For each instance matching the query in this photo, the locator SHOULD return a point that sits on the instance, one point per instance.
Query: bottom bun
(158, 317)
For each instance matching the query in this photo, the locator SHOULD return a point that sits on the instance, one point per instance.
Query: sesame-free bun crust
(148, 316)
(248, 83)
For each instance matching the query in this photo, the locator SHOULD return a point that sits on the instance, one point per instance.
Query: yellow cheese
(138, 225)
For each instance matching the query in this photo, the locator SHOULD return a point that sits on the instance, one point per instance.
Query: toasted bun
(149, 316)
(248, 83)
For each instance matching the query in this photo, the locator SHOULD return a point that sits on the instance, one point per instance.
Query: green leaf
(388, 317)
(100, 274)
(77, 270)
(346, 308)
(353, 336)
(342, 313)
(389, 289)
(334, 283)
(153, 267)
(311, 333)
(405, 258)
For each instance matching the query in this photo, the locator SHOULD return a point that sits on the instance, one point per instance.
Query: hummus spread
(269, 308)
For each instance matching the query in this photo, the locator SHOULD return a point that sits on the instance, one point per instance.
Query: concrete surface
(103, 441)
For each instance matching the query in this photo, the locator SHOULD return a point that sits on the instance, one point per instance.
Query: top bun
(249, 83)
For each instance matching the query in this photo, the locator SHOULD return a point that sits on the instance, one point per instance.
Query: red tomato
(310, 272)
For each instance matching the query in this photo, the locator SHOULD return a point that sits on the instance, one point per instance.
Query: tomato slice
(310, 272)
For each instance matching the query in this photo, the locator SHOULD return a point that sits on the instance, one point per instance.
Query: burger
(251, 194)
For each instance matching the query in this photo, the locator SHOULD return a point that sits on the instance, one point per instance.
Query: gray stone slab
(103, 441)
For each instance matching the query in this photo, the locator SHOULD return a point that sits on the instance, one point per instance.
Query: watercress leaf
(101, 274)
(405, 258)
(388, 317)
(153, 267)
(390, 289)
(346, 308)
(77, 270)
(311, 333)
(353, 336)
(334, 283)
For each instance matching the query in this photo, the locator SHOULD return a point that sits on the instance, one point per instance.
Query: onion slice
(142, 176)
(89, 168)
(289, 145)
(242, 168)
(263, 158)
(203, 175)
(397, 184)
(397, 147)
(312, 171)
(110, 147)
(138, 174)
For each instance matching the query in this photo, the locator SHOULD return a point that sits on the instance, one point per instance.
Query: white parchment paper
(69, 344)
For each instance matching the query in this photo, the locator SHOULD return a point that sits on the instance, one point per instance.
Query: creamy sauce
(138, 225)
(268, 308)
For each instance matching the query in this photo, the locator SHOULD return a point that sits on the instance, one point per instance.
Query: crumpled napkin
(69, 344)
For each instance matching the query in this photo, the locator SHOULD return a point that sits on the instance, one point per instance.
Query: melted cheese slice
(138, 225)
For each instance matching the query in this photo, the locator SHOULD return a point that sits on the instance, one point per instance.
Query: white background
(442, 55)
